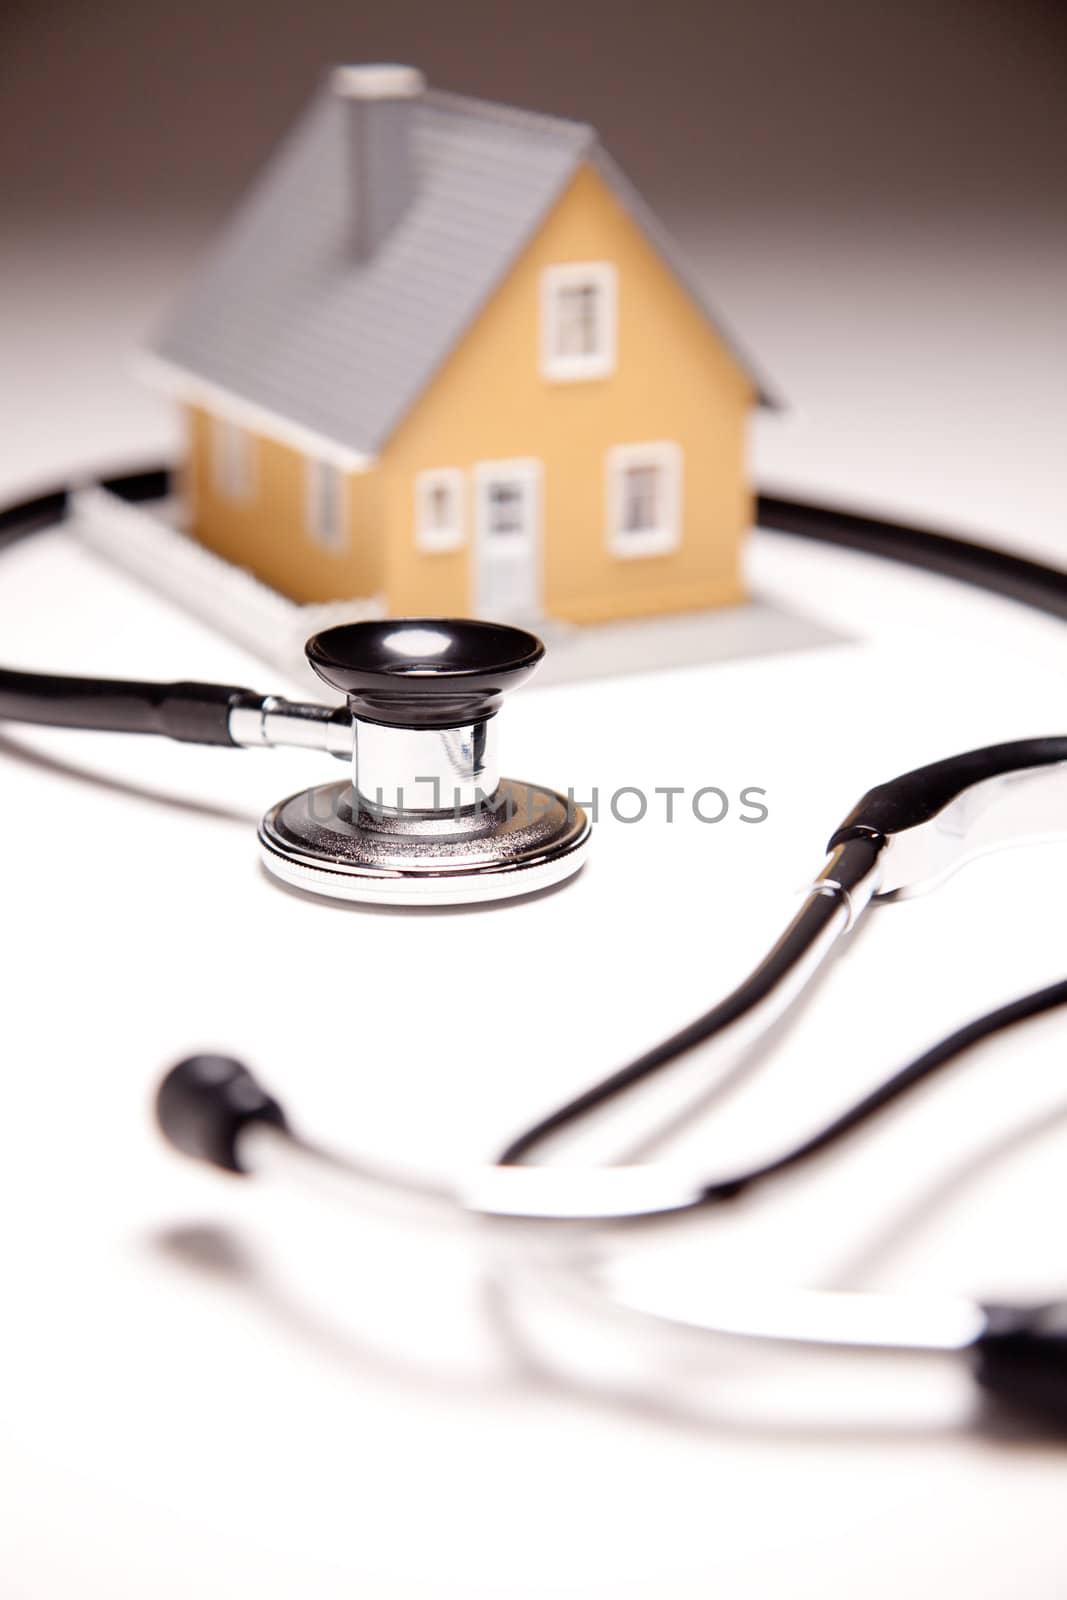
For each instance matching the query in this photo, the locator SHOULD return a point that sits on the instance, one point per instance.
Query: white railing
(143, 542)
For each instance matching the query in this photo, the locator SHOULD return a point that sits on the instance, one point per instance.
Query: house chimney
(379, 117)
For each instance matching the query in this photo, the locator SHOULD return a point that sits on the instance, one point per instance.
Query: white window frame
(428, 537)
(603, 277)
(327, 537)
(233, 460)
(666, 536)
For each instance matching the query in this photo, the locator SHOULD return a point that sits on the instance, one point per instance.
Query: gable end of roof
(283, 324)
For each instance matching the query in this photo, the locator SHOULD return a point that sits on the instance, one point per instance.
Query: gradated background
(874, 194)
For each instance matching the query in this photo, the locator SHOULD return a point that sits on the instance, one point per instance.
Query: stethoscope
(425, 818)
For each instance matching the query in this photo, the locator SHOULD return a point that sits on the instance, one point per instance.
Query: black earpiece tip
(1022, 1359)
(203, 1104)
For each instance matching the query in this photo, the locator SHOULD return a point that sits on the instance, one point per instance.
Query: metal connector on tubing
(851, 876)
(271, 721)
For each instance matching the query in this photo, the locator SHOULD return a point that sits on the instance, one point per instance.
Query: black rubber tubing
(201, 712)
(195, 713)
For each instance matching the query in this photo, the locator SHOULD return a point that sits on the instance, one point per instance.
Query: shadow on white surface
(978, 1166)
(25, 755)
(583, 1352)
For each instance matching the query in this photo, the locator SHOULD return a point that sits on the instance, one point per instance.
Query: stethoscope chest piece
(426, 819)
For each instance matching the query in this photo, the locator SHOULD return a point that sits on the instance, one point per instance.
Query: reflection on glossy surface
(417, 642)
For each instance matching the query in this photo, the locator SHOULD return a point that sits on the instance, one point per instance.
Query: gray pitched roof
(283, 319)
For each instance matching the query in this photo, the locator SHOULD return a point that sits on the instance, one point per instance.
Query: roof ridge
(517, 116)
(362, 340)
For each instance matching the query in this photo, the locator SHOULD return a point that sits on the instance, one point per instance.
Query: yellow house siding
(674, 380)
(418, 583)
(268, 531)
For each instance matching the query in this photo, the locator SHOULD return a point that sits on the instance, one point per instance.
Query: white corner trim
(432, 540)
(667, 534)
(191, 390)
(604, 278)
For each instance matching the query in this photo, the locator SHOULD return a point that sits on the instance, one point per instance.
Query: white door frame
(526, 553)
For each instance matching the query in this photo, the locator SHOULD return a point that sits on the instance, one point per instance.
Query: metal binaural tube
(537, 1200)
(648, 1102)
(542, 1206)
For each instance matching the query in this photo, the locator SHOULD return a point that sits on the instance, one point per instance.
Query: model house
(444, 357)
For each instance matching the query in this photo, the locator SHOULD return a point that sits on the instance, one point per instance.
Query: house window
(326, 504)
(578, 317)
(232, 460)
(505, 513)
(578, 331)
(644, 499)
(439, 509)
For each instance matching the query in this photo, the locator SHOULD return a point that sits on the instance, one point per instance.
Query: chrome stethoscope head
(426, 818)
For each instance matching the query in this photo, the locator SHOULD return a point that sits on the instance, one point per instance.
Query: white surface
(220, 1390)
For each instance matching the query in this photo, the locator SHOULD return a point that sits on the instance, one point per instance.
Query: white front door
(507, 583)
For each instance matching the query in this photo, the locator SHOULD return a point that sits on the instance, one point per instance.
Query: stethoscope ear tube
(917, 797)
(211, 1107)
(1031, 583)
(192, 713)
(207, 1105)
